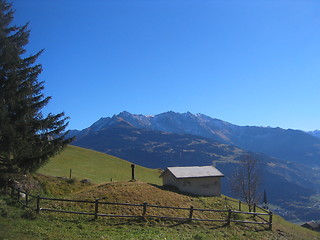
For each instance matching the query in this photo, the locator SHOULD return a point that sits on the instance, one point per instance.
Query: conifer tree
(27, 137)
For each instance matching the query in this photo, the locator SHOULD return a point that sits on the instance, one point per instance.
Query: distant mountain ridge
(315, 133)
(174, 139)
(290, 145)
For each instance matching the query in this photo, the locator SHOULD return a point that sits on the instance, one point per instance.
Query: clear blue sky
(245, 62)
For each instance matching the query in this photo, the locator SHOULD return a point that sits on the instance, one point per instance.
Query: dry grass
(139, 192)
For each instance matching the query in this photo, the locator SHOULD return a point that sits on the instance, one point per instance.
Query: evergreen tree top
(27, 138)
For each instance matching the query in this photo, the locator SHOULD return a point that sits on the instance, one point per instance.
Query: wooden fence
(254, 206)
(26, 199)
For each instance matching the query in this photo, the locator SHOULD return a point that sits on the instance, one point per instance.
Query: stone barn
(201, 181)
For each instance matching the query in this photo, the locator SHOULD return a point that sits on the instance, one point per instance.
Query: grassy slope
(96, 166)
(100, 168)
(65, 226)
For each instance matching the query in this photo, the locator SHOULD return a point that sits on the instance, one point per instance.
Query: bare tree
(246, 179)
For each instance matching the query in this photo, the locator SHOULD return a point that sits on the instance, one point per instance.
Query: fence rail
(265, 217)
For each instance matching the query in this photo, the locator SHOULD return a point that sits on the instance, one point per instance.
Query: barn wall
(206, 186)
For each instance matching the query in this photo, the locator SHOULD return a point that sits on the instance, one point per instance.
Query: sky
(245, 62)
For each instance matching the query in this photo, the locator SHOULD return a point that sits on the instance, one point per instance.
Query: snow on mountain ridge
(275, 142)
(197, 124)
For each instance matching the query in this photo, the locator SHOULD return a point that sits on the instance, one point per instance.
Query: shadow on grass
(173, 189)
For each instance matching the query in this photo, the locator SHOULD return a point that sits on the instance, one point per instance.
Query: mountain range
(289, 158)
(315, 133)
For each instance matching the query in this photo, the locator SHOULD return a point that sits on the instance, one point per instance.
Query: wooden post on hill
(229, 217)
(27, 199)
(96, 209)
(190, 213)
(132, 172)
(18, 194)
(270, 220)
(38, 204)
(70, 173)
(144, 211)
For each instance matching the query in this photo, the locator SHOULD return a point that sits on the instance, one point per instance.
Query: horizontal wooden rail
(122, 204)
(176, 208)
(251, 213)
(209, 210)
(209, 220)
(185, 208)
(64, 211)
(167, 217)
(119, 216)
(66, 200)
(251, 222)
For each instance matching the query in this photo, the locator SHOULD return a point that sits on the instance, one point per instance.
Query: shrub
(71, 180)
(29, 214)
(3, 212)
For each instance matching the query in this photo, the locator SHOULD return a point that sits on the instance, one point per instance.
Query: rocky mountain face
(290, 145)
(174, 139)
(157, 149)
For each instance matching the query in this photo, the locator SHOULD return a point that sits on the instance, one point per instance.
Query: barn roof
(194, 172)
(312, 224)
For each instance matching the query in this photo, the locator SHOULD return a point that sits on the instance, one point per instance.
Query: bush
(71, 180)
(29, 214)
(6, 209)
(3, 209)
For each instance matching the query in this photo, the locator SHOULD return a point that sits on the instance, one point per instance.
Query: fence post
(132, 172)
(38, 204)
(190, 213)
(12, 191)
(18, 194)
(96, 209)
(6, 187)
(254, 207)
(26, 199)
(270, 220)
(144, 212)
(239, 205)
(229, 217)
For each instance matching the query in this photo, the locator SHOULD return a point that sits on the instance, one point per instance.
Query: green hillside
(96, 166)
(22, 223)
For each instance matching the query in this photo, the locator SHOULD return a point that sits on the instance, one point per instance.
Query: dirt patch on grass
(136, 192)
